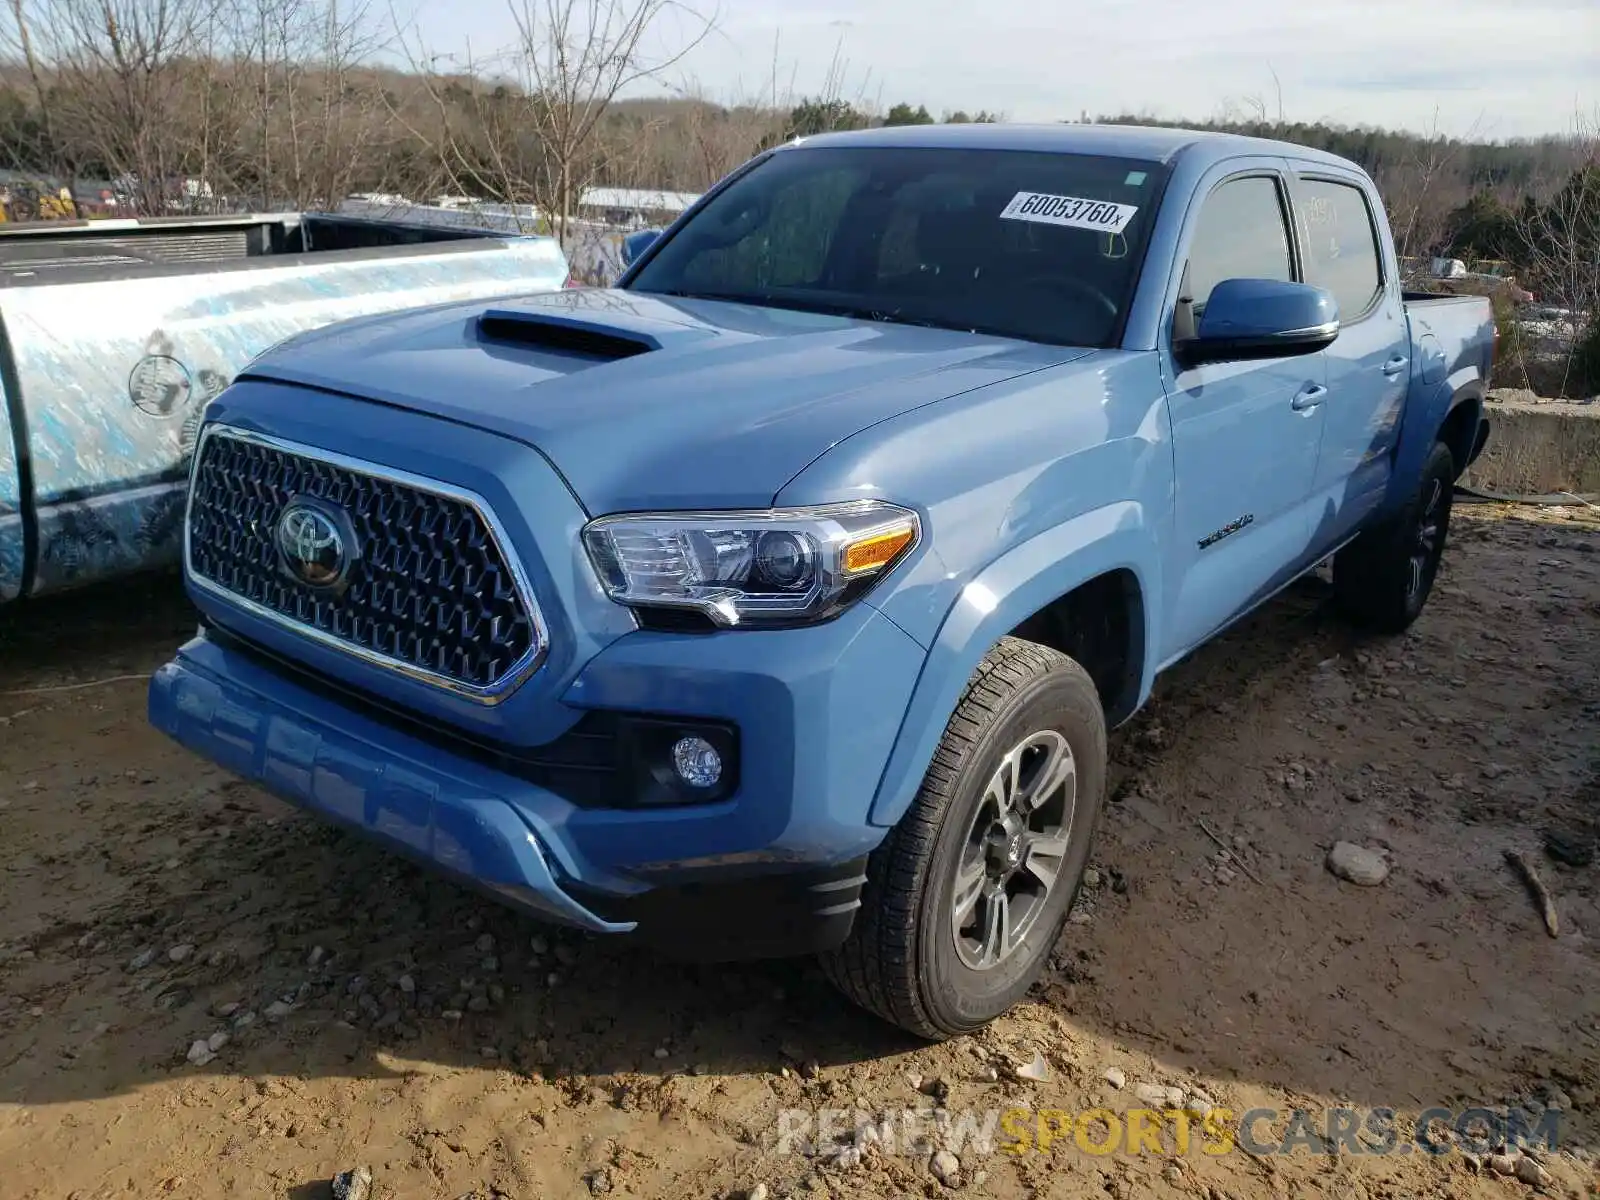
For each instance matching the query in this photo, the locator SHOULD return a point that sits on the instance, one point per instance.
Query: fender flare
(998, 599)
(1419, 432)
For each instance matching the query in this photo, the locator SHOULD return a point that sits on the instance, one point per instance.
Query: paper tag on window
(1102, 216)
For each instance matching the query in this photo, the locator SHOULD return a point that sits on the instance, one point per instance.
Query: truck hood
(648, 402)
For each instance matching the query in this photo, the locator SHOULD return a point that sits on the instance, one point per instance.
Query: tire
(1382, 579)
(905, 958)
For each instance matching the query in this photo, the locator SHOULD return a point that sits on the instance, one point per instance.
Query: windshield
(1022, 244)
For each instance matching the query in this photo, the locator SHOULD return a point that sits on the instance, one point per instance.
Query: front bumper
(817, 711)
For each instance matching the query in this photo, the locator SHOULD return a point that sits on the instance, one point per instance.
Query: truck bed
(114, 336)
(87, 251)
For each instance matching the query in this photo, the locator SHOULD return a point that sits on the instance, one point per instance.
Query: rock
(1038, 1070)
(478, 1004)
(201, 1053)
(181, 953)
(484, 944)
(354, 1184)
(1532, 1173)
(497, 993)
(936, 1087)
(1494, 770)
(946, 1168)
(1115, 1077)
(1173, 1173)
(489, 964)
(1503, 1164)
(317, 955)
(1091, 878)
(142, 959)
(600, 1182)
(845, 1157)
(1199, 1105)
(566, 955)
(356, 986)
(488, 1052)
(759, 1192)
(662, 1052)
(1559, 1100)
(408, 985)
(539, 944)
(218, 1040)
(278, 1010)
(225, 1009)
(451, 1014)
(1357, 864)
(1152, 1094)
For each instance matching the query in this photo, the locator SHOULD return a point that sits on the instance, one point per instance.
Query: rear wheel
(1382, 579)
(967, 895)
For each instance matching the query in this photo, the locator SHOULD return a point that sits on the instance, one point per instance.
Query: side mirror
(636, 244)
(1262, 318)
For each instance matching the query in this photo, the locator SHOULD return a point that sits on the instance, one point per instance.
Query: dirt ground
(375, 1015)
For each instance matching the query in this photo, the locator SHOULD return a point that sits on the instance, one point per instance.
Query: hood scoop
(562, 334)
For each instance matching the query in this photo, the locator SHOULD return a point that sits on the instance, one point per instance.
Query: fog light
(697, 762)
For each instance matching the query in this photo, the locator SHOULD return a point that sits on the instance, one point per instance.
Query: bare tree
(16, 39)
(304, 112)
(1418, 195)
(523, 125)
(1560, 242)
(125, 75)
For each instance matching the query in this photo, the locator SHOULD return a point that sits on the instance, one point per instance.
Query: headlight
(767, 567)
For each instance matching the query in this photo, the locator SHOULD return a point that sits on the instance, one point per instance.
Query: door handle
(1396, 364)
(1309, 398)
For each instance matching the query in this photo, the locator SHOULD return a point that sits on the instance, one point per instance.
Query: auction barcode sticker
(1102, 216)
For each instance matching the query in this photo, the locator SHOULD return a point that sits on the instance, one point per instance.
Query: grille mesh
(429, 588)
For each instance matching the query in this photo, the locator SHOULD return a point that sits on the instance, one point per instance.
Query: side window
(1242, 234)
(1341, 245)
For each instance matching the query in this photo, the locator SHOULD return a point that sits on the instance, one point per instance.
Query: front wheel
(1383, 578)
(966, 896)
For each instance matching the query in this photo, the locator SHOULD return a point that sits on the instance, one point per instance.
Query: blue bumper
(816, 709)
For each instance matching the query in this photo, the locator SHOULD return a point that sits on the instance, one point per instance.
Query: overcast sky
(1489, 68)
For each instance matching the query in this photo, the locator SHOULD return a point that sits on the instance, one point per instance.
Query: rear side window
(1341, 245)
(1242, 234)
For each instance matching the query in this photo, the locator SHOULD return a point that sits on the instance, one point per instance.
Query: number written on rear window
(1341, 245)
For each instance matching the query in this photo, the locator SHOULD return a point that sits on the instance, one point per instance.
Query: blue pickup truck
(777, 600)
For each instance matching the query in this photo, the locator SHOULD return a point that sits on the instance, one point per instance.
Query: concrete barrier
(1539, 448)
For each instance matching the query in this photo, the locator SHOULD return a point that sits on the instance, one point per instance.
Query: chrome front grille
(425, 583)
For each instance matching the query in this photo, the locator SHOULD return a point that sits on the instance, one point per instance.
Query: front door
(1245, 434)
